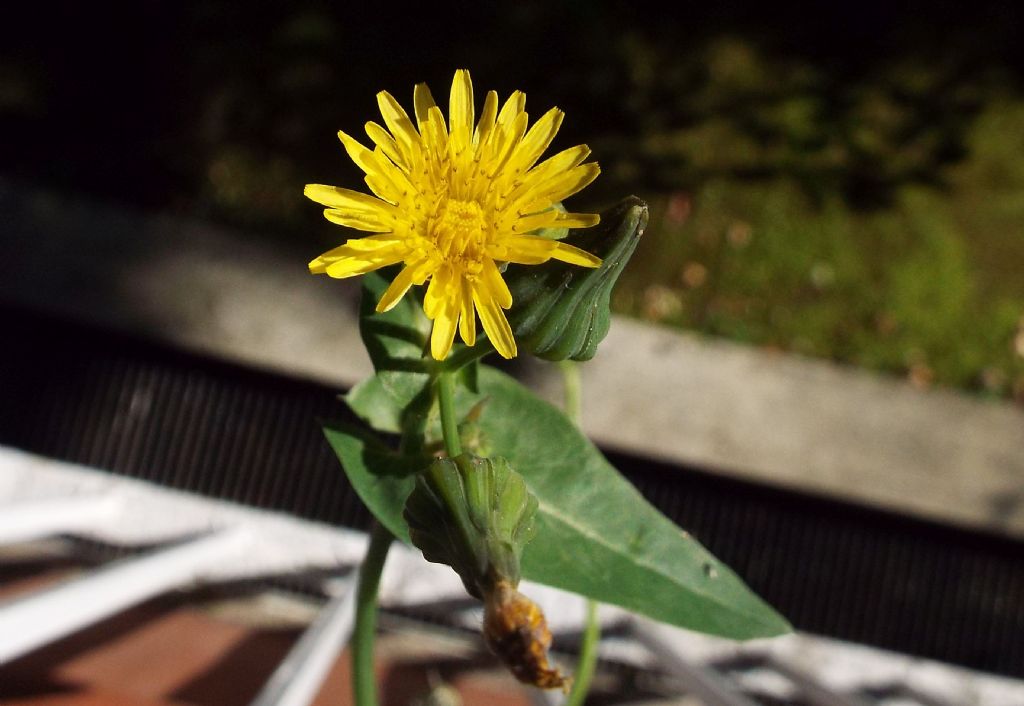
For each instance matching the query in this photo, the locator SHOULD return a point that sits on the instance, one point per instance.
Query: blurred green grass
(916, 268)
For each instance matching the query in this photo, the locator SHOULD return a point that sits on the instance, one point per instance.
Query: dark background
(842, 180)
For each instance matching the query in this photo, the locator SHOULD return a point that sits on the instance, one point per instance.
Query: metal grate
(184, 421)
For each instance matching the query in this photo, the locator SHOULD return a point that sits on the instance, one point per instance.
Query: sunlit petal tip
(575, 256)
(423, 101)
(385, 306)
(579, 220)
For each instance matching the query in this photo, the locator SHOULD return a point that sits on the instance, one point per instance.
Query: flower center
(460, 231)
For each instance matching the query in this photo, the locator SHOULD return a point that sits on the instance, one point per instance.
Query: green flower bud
(475, 515)
(562, 311)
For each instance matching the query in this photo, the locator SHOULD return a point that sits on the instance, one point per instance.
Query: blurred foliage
(844, 182)
(889, 235)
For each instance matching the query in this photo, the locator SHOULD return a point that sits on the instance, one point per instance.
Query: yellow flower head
(454, 201)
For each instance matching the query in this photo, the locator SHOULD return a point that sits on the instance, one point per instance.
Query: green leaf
(395, 339)
(596, 535)
(382, 477)
(399, 397)
(376, 405)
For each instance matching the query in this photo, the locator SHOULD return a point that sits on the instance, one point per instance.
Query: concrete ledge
(810, 425)
(774, 418)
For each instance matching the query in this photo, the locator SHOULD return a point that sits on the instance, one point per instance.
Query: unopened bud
(475, 515)
(563, 311)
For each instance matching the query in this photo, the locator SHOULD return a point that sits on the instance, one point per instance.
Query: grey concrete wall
(776, 418)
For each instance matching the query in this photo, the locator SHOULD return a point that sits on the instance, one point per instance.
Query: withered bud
(516, 631)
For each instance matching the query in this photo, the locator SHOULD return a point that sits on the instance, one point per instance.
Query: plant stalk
(364, 683)
(588, 657)
(592, 630)
(573, 384)
(449, 418)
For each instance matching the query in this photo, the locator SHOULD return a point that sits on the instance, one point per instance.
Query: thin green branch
(588, 657)
(592, 631)
(364, 685)
(449, 418)
(571, 379)
(462, 356)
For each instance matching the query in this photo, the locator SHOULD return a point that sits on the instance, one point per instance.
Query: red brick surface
(169, 652)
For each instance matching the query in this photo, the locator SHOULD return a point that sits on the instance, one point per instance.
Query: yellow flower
(452, 202)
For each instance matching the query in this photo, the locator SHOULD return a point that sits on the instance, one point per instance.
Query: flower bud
(562, 311)
(475, 515)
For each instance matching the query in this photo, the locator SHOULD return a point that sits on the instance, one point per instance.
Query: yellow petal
(494, 322)
(533, 250)
(384, 188)
(506, 138)
(343, 261)
(536, 141)
(491, 278)
(467, 314)
(398, 122)
(575, 256)
(487, 116)
(460, 111)
(423, 101)
(372, 243)
(577, 220)
(443, 334)
(527, 249)
(384, 178)
(383, 139)
(543, 172)
(515, 105)
(410, 275)
(562, 186)
(435, 137)
(337, 197)
(564, 160)
(363, 157)
(360, 220)
(527, 224)
(438, 291)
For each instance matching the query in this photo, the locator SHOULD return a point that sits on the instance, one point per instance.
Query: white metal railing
(45, 518)
(30, 622)
(299, 677)
(206, 541)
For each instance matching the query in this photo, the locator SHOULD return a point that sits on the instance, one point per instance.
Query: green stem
(464, 355)
(592, 630)
(449, 419)
(573, 391)
(364, 686)
(588, 657)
